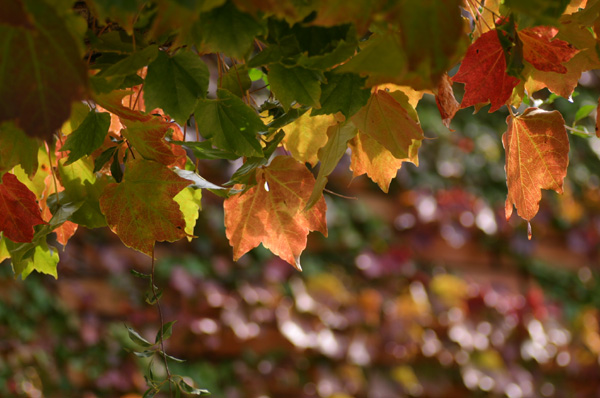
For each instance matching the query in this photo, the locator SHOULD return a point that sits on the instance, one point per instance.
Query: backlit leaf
(343, 92)
(19, 211)
(230, 124)
(175, 84)
(390, 120)
(544, 51)
(189, 200)
(272, 212)
(141, 209)
(42, 71)
(446, 103)
(537, 148)
(17, 148)
(483, 70)
(306, 135)
(147, 138)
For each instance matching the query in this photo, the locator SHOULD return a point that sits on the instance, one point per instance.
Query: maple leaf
(483, 70)
(446, 103)
(369, 157)
(542, 50)
(390, 120)
(17, 148)
(537, 148)
(147, 137)
(88, 137)
(19, 211)
(42, 71)
(141, 209)
(306, 135)
(272, 212)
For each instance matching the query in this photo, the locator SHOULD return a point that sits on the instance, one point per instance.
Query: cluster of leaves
(97, 98)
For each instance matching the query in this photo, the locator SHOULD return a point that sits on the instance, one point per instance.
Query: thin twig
(340, 195)
(160, 317)
(52, 172)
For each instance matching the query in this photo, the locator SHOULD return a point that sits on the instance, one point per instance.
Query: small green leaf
(343, 92)
(104, 157)
(167, 331)
(88, 137)
(172, 358)
(176, 83)
(295, 84)
(584, 112)
(137, 338)
(230, 123)
(205, 150)
(132, 63)
(144, 354)
(115, 168)
(186, 388)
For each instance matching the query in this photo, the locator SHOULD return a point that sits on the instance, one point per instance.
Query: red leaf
(19, 211)
(483, 70)
(537, 156)
(543, 51)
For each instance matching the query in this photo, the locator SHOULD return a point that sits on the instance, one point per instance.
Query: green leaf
(44, 260)
(41, 70)
(137, 338)
(17, 148)
(104, 157)
(330, 155)
(167, 331)
(343, 92)
(230, 124)
(584, 112)
(144, 354)
(537, 12)
(237, 80)
(186, 388)
(81, 185)
(295, 84)
(132, 63)
(175, 84)
(88, 137)
(205, 150)
(227, 29)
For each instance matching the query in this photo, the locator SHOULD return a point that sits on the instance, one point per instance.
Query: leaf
(137, 338)
(189, 200)
(198, 181)
(167, 331)
(483, 70)
(186, 388)
(433, 38)
(295, 84)
(237, 80)
(330, 155)
(230, 123)
(131, 64)
(538, 12)
(17, 148)
(584, 112)
(306, 135)
(544, 51)
(391, 121)
(537, 148)
(229, 30)
(88, 137)
(175, 84)
(205, 150)
(141, 209)
(343, 92)
(19, 211)
(147, 137)
(44, 260)
(382, 58)
(272, 212)
(369, 157)
(446, 103)
(42, 70)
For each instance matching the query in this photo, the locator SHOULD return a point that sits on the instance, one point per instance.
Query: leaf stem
(160, 317)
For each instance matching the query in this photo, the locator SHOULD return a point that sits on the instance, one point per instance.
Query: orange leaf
(446, 103)
(141, 209)
(542, 50)
(537, 156)
(390, 120)
(483, 70)
(147, 137)
(19, 211)
(369, 157)
(272, 212)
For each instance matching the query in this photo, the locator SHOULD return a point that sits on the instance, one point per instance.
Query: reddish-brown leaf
(272, 212)
(147, 137)
(141, 209)
(483, 70)
(537, 156)
(446, 103)
(19, 211)
(542, 50)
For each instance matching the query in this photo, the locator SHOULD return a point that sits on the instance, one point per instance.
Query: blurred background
(424, 292)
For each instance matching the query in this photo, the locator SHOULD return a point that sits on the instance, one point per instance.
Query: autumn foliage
(107, 108)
